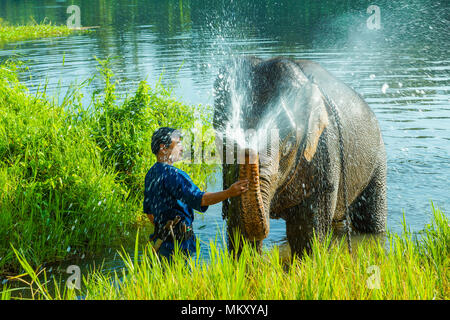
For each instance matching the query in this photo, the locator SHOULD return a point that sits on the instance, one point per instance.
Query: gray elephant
(330, 154)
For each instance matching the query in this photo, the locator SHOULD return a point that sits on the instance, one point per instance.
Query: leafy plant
(72, 176)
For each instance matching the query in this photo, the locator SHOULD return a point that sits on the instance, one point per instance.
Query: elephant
(329, 166)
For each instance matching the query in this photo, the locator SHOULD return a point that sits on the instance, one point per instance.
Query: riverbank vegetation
(71, 179)
(72, 175)
(407, 267)
(33, 30)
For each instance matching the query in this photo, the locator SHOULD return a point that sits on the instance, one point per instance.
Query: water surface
(402, 69)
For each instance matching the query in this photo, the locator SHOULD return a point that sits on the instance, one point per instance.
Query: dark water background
(402, 69)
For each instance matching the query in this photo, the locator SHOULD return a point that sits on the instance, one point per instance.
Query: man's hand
(238, 188)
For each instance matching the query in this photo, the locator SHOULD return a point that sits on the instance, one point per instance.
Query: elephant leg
(299, 229)
(314, 215)
(369, 210)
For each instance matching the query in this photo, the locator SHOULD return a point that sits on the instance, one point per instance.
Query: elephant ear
(317, 122)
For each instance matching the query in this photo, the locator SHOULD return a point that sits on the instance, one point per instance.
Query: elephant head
(286, 114)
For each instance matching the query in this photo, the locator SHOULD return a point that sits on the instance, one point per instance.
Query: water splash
(234, 128)
(278, 113)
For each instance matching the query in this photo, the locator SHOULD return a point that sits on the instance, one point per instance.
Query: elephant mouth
(253, 213)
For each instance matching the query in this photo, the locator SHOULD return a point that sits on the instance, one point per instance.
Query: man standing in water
(170, 193)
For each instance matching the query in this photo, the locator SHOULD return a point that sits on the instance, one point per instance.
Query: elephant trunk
(253, 215)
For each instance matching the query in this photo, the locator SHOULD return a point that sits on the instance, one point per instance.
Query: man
(170, 192)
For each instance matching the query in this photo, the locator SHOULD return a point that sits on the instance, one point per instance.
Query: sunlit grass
(411, 268)
(72, 175)
(33, 30)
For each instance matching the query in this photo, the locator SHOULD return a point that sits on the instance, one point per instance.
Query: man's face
(175, 150)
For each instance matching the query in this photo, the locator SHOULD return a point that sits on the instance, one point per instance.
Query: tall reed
(72, 175)
(407, 268)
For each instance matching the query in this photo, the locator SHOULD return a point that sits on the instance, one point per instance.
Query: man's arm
(236, 189)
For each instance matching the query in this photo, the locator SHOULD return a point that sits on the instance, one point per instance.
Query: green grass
(33, 30)
(412, 268)
(72, 175)
(71, 182)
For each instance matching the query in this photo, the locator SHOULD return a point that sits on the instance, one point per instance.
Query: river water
(402, 69)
